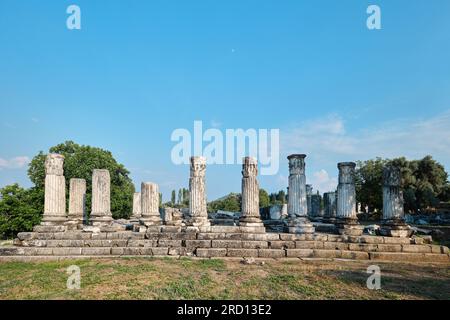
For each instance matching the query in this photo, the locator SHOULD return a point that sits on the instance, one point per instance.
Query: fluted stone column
(250, 220)
(77, 201)
(55, 191)
(150, 204)
(393, 223)
(309, 190)
(198, 215)
(316, 213)
(346, 202)
(137, 207)
(101, 198)
(298, 221)
(329, 201)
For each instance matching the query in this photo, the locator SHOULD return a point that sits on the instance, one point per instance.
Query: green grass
(193, 279)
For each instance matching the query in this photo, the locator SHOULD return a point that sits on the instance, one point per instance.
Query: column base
(395, 228)
(349, 227)
(53, 219)
(299, 225)
(198, 222)
(251, 225)
(150, 221)
(101, 220)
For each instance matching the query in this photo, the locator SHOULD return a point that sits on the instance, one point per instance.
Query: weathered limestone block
(414, 248)
(226, 244)
(299, 253)
(354, 255)
(150, 205)
(409, 257)
(101, 194)
(327, 254)
(309, 244)
(193, 244)
(198, 216)
(255, 244)
(346, 203)
(173, 217)
(169, 243)
(77, 201)
(282, 244)
(393, 224)
(271, 253)
(242, 253)
(363, 247)
(250, 220)
(55, 191)
(298, 221)
(160, 251)
(211, 252)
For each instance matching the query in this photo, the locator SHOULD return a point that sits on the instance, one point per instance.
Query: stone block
(334, 238)
(292, 237)
(435, 249)
(160, 251)
(409, 257)
(152, 235)
(193, 244)
(271, 253)
(354, 255)
(414, 248)
(282, 244)
(371, 239)
(254, 244)
(41, 228)
(320, 237)
(444, 250)
(177, 251)
(309, 245)
(243, 253)
(226, 244)
(99, 251)
(225, 229)
(335, 246)
(417, 240)
(211, 252)
(260, 236)
(389, 248)
(169, 229)
(117, 251)
(299, 253)
(65, 243)
(41, 251)
(366, 247)
(327, 254)
(66, 251)
(11, 251)
(24, 236)
(101, 236)
(169, 243)
(389, 240)
(142, 243)
(210, 236)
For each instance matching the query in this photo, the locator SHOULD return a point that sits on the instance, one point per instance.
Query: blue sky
(137, 70)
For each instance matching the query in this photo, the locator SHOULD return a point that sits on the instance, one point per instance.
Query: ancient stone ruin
(152, 231)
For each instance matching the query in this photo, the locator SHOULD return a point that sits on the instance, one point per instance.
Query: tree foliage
(424, 182)
(17, 212)
(80, 161)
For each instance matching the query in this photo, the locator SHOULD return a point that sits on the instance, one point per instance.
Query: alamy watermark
(374, 280)
(228, 147)
(74, 279)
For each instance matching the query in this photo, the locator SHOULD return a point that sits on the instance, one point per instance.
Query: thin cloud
(14, 163)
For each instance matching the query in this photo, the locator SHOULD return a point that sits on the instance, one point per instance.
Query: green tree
(173, 197)
(17, 213)
(80, 161)
(264, 200)
(231, 202)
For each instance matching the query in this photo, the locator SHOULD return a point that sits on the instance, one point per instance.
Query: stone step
(225, 252)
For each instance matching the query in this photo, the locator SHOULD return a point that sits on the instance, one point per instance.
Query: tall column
(198, 215)
(298, 221)
(250, 220)
(101, 194)
(329, 201)
(150, 204)
(137, 207)
(55, 191)
(346, 201)
(393, 223)
(315, 207)
(77, 201)
(309, 190)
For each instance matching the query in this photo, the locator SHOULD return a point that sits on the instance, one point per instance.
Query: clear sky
(137, 70)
